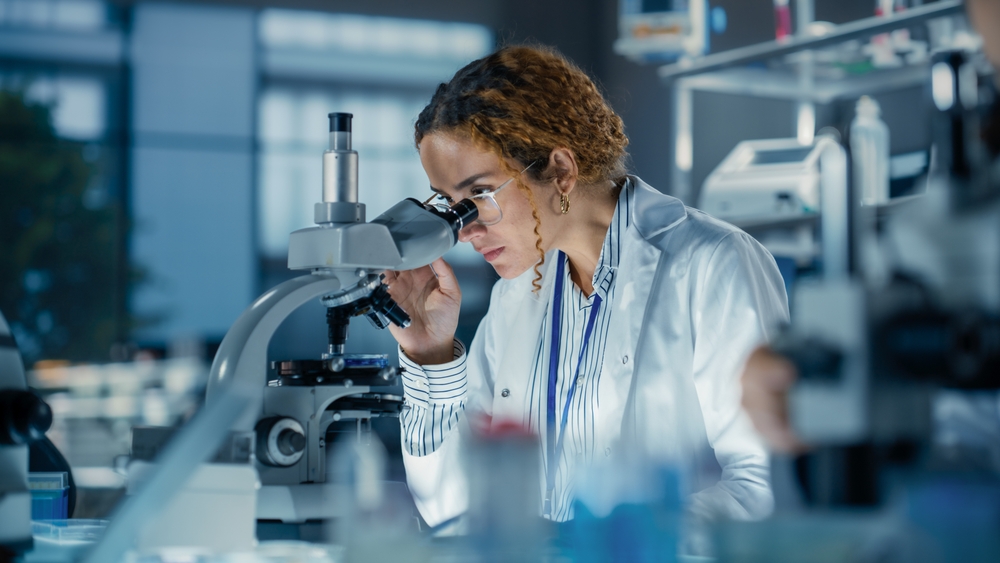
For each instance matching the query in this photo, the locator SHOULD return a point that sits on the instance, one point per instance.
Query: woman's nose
(472, 231)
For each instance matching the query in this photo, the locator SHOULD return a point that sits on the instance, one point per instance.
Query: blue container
(49, 495)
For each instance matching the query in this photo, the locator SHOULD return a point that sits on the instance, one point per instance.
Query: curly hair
(523, 102)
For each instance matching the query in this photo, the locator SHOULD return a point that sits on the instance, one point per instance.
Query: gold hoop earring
(564, 203)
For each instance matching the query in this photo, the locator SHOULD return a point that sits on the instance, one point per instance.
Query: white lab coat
(695, 296)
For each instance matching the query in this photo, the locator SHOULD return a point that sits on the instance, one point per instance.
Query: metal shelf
(786, 85)
(886, 208)
(772, 49)
(774, 223)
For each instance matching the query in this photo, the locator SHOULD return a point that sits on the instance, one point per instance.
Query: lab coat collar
(654, 212)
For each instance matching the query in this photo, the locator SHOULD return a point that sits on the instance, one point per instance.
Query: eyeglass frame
(487, 195)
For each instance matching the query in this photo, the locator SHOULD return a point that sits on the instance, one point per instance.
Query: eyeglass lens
(489, 210)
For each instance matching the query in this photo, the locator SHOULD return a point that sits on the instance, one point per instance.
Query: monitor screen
(780, 156)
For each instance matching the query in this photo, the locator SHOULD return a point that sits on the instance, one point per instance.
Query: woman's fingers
(403, 284)
(446, 279)
(422, 282)
(431, 296)
(429, 299)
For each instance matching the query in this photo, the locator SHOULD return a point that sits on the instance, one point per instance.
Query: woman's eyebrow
(464, 183)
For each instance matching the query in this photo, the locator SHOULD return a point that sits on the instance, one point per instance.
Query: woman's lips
(492, 254)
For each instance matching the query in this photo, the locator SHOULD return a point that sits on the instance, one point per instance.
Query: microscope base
(298, 503)
(211, 510)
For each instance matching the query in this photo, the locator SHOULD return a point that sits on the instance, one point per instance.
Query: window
(69, 15)
(294, 134)
(63, 270)
(78, 102)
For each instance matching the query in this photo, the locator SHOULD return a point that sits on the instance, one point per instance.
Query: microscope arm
(242, 358)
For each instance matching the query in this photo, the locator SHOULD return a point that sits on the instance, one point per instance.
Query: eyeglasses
(486, 202)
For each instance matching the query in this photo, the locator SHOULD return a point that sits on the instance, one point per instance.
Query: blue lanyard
(555, 445)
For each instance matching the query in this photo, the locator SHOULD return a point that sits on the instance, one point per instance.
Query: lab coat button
(607, 452)
(625, 359)
(505, 393)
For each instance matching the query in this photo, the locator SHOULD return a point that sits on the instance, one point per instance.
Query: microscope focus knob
(24, 417)
(291, 442)
(281, 441)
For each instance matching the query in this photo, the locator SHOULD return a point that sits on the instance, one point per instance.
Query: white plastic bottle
(870, 153)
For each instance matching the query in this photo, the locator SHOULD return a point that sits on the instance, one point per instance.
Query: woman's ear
(564, 171)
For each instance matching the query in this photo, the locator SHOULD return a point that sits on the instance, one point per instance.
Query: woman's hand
(767, 379)
(432, 298)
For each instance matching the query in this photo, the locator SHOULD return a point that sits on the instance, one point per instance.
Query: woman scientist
(617, 309)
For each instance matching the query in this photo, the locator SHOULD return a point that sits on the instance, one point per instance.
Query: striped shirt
(435, 395)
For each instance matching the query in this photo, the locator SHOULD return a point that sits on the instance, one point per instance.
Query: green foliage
(58, 280)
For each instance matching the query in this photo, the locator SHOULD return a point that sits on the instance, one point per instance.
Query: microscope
(295, 401)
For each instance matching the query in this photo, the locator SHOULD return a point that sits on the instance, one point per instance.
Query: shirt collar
(607, 264)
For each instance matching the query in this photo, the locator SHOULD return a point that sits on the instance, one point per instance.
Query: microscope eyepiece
(458, 216)
(340, 122)
(467, 212)
(340, 163)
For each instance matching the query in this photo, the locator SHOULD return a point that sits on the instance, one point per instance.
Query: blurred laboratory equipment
(874, 351)
(376, 517)
(633, 510)
(63, 540)
(807, 83)
(790, 195)
(870, 153)
(935, 321)
(663, 30)
(49, 495)
(222, 490)
(181, 458)
(504, 469)
(24, 419)
(782, 20)
(764, 180)
(94, 406)
(899, 333)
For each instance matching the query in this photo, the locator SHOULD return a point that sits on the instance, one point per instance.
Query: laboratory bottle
(374, 517)
(503, 467)
(870, 153)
